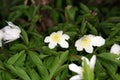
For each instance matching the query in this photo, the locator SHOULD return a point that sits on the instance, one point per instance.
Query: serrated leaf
(111, 69)
(19, 72)
(71, 13)
(84, 8)
(33, 74)
(60, 69)
(4, 75)
(25, 36)
(92, 28)
(59, 60)
(41, 68)
(100, 71)
(15, 57)
(18, 46)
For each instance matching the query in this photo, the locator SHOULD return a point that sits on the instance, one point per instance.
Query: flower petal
(76, 77)
(10, 23)
(47, 39)
(77, 43)
(98, 41)
(89, 49)
(115, 49)
(92, 62)
(1, 34)
(65, 36)
(11, 35)
(79, 48)
(52, 45)
(64, 44)
(59, 32)
(73, 67)
(87, 60)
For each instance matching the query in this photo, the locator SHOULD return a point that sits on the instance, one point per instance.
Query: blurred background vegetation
(47, 13)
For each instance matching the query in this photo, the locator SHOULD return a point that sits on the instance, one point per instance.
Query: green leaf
(16, 57)
(36, 40)
(33, 74)
(71, 12)
(111, 69)
(48, 51)
(19, 72)
(59, 60)
(84, 8)
(1, 65)
(40, 66)
(5, 75)
(60, 69)
(109, 57)
(114, 31)
(83, 27)
(18, 47)
(14, 15)
(92, 28)
(100, 71)
(55, 16)
(113, 19)
(87, 73)
(25, 36)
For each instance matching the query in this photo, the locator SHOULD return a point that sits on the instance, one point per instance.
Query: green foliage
(29, 57)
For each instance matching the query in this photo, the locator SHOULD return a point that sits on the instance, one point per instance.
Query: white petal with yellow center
(88, 41)
(84, 43)
(57, 38)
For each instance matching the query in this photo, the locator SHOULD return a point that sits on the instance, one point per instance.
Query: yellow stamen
(85, 42)
(56, 37)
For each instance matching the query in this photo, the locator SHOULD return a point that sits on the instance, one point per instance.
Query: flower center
(85, 42)
(56, 38)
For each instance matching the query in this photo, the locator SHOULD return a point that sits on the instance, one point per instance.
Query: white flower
(1, 37)
(57, 38)
(91, 63)
(88, 41)
(115, 49)
(79, 69)
(11, 32)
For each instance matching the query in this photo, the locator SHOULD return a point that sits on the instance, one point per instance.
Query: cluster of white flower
(9, 33)
(86, 42)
